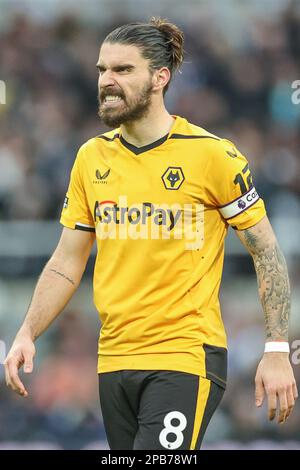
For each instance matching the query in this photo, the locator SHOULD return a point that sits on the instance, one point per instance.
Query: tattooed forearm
(63, 275)
(273, 284)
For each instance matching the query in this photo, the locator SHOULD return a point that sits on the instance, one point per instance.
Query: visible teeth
(112, 98)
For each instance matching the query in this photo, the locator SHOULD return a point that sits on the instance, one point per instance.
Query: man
(158, 194)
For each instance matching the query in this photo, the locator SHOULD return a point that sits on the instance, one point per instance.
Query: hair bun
(175, 37)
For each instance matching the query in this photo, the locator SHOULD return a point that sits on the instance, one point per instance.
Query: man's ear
(160, 78)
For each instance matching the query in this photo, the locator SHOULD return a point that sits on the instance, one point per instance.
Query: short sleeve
(231, 187)
(76, 213)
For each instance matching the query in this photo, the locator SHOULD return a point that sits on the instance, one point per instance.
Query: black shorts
(164, 410)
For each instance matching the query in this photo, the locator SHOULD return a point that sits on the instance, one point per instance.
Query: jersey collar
(157, 143)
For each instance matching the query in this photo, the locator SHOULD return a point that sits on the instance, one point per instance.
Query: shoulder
(214, 144)
(200, 132)
(97, 143)
(221, 154)
(217, 154)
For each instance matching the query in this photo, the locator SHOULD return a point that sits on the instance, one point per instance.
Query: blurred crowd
(237, 89)
(238, 86)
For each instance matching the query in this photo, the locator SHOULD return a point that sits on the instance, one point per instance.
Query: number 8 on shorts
(171, 429)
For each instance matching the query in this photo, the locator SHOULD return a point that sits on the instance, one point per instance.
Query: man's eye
(120, 70)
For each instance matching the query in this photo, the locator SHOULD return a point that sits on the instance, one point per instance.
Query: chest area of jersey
(145, 197)
(164, 181)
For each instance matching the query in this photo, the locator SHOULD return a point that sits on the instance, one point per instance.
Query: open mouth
(111, 101)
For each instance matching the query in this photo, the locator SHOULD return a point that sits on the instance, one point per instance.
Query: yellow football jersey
(161, 213)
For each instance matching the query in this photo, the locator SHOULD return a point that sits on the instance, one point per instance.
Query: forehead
(115, 54)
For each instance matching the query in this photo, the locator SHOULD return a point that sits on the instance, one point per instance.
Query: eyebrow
(116, 68)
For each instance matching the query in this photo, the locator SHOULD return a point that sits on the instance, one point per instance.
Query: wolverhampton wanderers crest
(173, 177)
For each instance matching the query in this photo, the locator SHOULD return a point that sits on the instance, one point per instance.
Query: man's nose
(106, 79)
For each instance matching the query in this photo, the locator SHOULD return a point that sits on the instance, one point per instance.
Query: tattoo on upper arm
(273, 284)
(63, 275)
(251, 240)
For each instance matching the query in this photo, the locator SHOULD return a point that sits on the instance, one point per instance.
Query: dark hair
(160, 41)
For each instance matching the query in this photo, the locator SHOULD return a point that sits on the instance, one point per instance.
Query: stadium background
(242, 57)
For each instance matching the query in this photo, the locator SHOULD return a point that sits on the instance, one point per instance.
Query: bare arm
(58, 281)
(274, 374)
(56, 285)
(272, 278)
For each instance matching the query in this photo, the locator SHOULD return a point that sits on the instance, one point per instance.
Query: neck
(148, 129)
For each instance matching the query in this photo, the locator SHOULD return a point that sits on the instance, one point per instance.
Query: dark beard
(137, 110)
